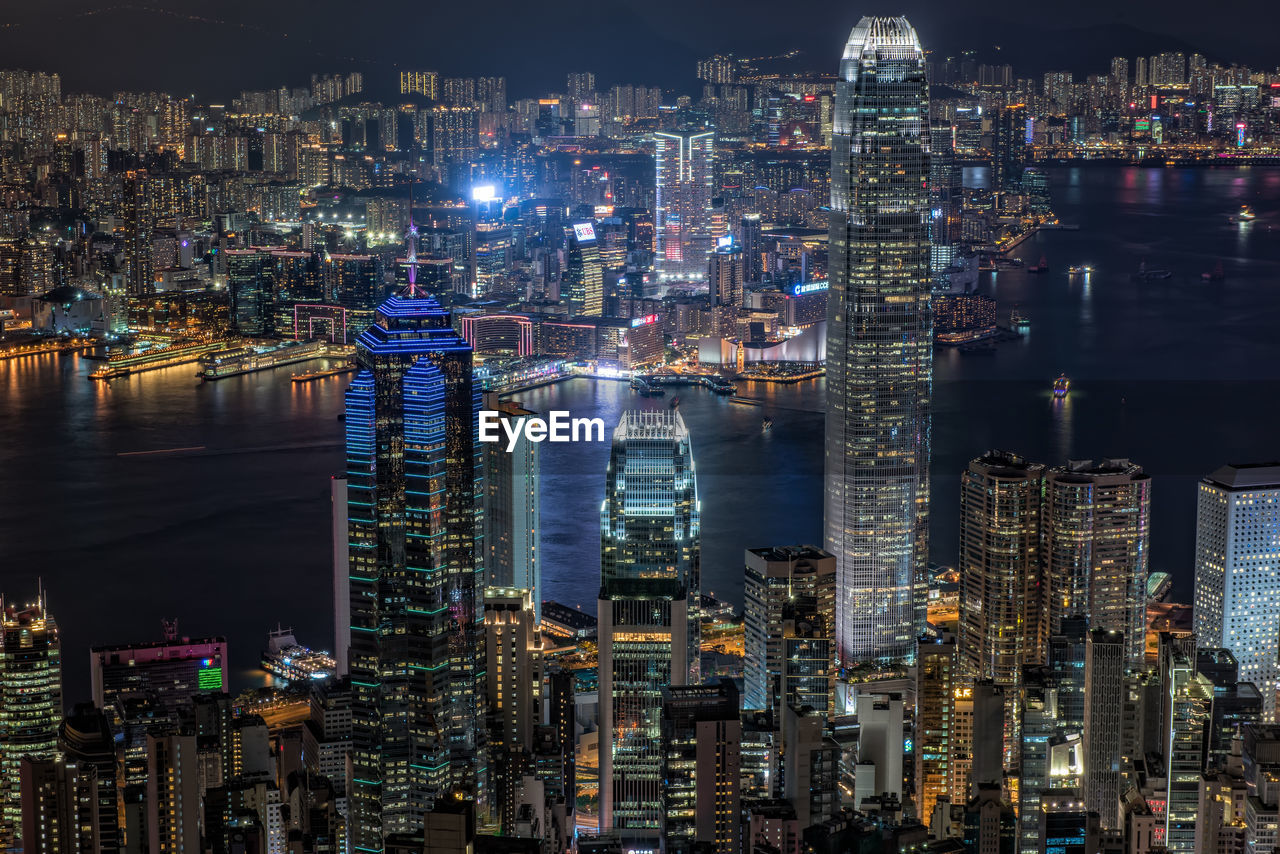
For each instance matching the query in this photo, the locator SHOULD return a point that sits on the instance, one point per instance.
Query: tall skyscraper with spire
(879, 344)
(416, 653)
(650, 534)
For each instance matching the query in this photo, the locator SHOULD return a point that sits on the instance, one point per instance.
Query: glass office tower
(416, 660)
(682, 213)
(648, 614)
(879, 344)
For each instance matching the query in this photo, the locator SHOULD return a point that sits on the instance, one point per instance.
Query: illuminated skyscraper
(30, 704)
(1096, 529)
(650, 531)
(682, 215)
(511, 508)
(1001, 592)
(1009, 148)
(702, 752)
(1104, 670)
(727, 274)
(584, 274)
(937, 741)
(777, 576)
(879, 344)
(416, 654)
(1237, 593)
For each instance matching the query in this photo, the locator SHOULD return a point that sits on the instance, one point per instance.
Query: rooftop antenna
(411, 237)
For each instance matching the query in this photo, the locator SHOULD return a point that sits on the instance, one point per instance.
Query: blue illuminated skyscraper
(416, 655)
(879, 344)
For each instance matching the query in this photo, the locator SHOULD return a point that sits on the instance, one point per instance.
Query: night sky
(215, 49)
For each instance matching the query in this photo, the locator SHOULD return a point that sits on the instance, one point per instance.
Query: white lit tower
(879, 344)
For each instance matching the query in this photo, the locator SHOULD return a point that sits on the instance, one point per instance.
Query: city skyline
(586, 35)
(893, 545)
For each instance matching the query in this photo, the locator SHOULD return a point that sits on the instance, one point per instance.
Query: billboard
(584, 231)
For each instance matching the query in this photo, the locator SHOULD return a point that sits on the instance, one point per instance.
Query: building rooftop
(1246, 476)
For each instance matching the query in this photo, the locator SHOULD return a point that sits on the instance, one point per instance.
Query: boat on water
(289, 660)
(1079, 270)
(645, 389)
(1215, 275)
(1244, 216)
(1146, 274)
(766, 425)
(675, 402)
(1019, 322)
(1061, 386)
(1040, 267)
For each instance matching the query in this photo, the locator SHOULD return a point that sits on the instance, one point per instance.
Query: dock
(177, 353)
(319, 375)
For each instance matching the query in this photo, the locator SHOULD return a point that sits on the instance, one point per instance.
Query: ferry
(1061, 386)
(1041, 267)
(644, 389)
(258, 357)
(1020, 322)
(291, 661)
(1244, 216)
(1079, 270)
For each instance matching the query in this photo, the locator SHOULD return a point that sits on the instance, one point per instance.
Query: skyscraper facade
(511, 507)
(584, 273)
(1104, 669)
(775, 577)
(879, 344)
(702, 762)
(1237, 593)
(682, 209)
(1001, 595)
(650, 530)
(1097, 529)
(30, 704)
(416, 655)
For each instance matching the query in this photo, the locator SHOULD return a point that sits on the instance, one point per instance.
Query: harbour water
(224, 521)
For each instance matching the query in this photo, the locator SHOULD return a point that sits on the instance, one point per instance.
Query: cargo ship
(259, 357)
